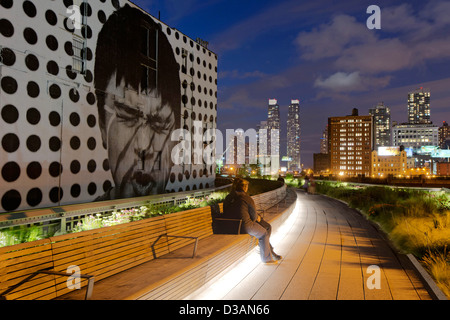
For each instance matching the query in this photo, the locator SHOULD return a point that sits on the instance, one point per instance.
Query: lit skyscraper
(293, 135)
(324, 141)
(262, 141)
(273, 134)
(350, 144)
(273, 116)
(444, 135)
(419, 106)
(381, 125)
(273, 127)
(261, 131)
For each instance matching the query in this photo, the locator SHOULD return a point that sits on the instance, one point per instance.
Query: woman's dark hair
(239, 184)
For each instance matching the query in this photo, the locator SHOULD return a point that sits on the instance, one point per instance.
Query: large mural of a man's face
(138, 97)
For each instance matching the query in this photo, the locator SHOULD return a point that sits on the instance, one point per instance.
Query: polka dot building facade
(87, 111)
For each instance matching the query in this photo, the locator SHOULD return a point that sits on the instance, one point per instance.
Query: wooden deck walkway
(327, 252)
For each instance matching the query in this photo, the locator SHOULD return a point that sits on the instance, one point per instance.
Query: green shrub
(18, 235)
(438, 265)
(416, 221)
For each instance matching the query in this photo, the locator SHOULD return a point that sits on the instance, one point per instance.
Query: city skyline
(321, 53)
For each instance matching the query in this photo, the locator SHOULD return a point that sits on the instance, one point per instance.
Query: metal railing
(364, 184)
(63, 219)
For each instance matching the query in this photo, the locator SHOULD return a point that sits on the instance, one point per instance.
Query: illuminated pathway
(328, 253)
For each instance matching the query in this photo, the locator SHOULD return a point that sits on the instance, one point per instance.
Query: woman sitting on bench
(239, 205)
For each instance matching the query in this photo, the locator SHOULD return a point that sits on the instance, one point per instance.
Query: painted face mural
(87, 114)
(138, 93)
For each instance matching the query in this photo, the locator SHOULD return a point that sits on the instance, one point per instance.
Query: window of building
(149, 58)
(79, 54)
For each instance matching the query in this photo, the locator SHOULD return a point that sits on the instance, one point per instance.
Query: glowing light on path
(225, 282)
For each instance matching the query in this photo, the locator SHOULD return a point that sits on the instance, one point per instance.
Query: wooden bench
(185, 226)
(19, 267)
(174, 277)
(97, 253)
(216, 254)
(106, 251)
(151, 253)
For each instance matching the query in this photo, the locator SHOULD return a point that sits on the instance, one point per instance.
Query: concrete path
(330, 252)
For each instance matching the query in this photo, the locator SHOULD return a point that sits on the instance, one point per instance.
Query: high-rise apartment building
(419, 106)
(262, 142)
(273, 115)
(293, 135)
(444, 135)
(324, 141)
(273, 135)
(321, 163)
(350, 144)
(236, 148)
(381, 125)
(273, 127)
(322, 159)
(261, 138)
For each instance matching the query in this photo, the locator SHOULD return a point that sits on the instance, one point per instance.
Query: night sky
(320, 52)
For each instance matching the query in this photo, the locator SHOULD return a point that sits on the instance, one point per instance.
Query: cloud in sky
(363, 57)
(428, 21)
(330, 39)
(262, 21)
(339, 80)
(268, 16)
(236, 74)
(348, 82)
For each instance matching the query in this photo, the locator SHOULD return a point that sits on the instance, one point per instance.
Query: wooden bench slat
(75, 241)
(101, 271)
(12, 275)
(184, 223)
(20, 263)
(44, 294)
(136, 258)
(14, 279)
(189, 227)
(43, 285)
(106, 244)
(24, 249)
(102, 242)
(17, 261)
(24, 269)
(98, 249)
(99, 232)
(97, 261)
